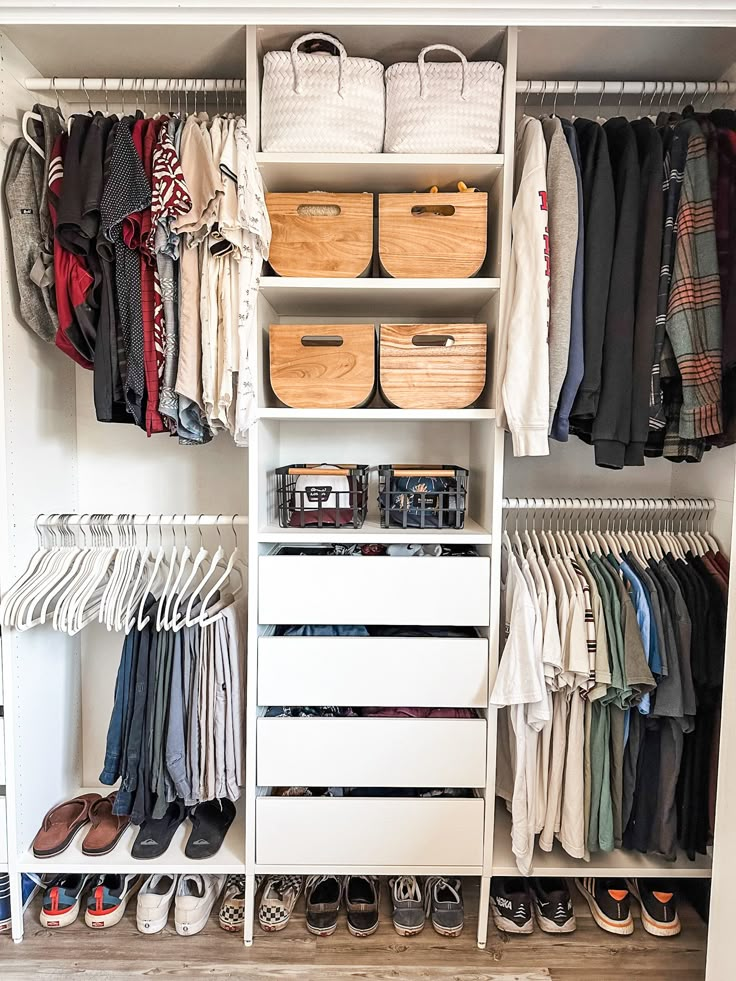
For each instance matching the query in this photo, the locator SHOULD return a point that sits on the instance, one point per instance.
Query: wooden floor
(293, 955)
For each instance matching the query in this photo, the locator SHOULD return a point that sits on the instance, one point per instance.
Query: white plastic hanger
(177, 621)
(158, 564)
(27, 117)
(236, 563)
(169, 582)
(191, 617)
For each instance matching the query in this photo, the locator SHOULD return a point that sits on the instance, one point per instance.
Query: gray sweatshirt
(562, 204)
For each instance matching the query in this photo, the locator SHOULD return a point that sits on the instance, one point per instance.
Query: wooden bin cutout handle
(319, 210)
(441, 210)
(433, 340)
(322, 340)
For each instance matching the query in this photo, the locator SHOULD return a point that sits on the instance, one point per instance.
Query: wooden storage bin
(432, 366)
(432, 236)
(338, 242)
(323, 366)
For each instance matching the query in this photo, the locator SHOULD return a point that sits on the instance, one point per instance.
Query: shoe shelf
(387, 172)
(377, 297)
(229, 859)
(619, 863)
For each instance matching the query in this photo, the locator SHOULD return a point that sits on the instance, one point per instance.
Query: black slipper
(155, 834)
(210, 822)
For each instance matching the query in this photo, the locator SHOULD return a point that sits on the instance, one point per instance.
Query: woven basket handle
(318, 37)
(440, 47)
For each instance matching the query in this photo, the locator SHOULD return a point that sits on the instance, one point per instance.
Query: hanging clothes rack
(609, 503)
(131, 520)
(622, 88)
(112, 85)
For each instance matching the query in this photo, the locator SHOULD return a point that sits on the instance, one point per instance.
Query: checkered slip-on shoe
(232, 911)
(278, 900)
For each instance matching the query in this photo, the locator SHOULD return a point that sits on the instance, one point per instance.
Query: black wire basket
(413, 496)
(319, 495)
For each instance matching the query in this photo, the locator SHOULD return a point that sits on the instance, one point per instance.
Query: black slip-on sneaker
(322, 896)
(610, 903)
(658, 902)
(553, 909)
(511, 905)
(361, 904)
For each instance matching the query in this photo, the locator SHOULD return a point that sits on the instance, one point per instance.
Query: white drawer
(421, 671)
(357, 752)
(378, 831)
(374, 590)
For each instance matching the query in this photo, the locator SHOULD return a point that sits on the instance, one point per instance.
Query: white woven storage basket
(436, 107)
(321, 103)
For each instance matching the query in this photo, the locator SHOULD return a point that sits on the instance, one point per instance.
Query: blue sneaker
(4, 903)
(28, 885)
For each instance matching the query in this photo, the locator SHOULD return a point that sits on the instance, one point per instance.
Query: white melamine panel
(358, 752)
(2, 752)
(429, 671)
(354, 831)
(3, 832)
(374, 590)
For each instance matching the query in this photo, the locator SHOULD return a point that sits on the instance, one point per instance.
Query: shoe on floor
(444, 899)
(278, 899)
(658, 903)
(5, 921)
(62, 900)
(610, 903)
(232, 911)
(109, 897)
(195, 897)
(210, 823)
(408, 905)
(155, 834)
(511, 905)
(154, 902)
(553, 909)
(322, 894)
(361, 904)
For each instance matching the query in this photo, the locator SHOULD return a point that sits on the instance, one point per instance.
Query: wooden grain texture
(294, 955)
(424, 377)
(321, 245)
(316, 377)
(432, 246)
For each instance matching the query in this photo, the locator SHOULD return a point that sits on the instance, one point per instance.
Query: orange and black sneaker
(610, 903)
(658, 902)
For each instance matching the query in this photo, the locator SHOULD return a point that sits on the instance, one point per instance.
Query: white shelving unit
(61, 687)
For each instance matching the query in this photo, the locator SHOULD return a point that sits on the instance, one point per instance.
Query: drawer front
(374, 590)
(354, 832)
(421, 671)
(356, 752)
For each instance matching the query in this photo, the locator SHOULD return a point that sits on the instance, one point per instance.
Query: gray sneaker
(444, 897)
(406, 896)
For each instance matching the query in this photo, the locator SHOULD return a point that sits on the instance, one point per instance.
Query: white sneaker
(195, 897)
(109, 897)
(154, 903)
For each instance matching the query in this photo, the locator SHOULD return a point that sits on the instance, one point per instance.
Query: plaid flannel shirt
(693, 324)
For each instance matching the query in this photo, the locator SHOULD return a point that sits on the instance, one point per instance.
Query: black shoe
(361, 903)
(210, 823)
(610, 903)
(658, 903)
(553, 908)
(511, 905)
(155, 834)
(322, 896)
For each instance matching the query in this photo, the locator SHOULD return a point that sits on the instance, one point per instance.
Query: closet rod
(619, 89)
(128, 520)
(152, 85)
(609, 503)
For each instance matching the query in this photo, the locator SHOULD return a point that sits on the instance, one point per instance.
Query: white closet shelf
(229, 859)
(377, 297)
(620, 863)
(380, 415)
(373, 532)
(376, 172)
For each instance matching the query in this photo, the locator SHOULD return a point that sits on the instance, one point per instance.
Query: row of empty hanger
(95, 568)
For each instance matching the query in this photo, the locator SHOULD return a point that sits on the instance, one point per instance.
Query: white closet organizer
(56, 457)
